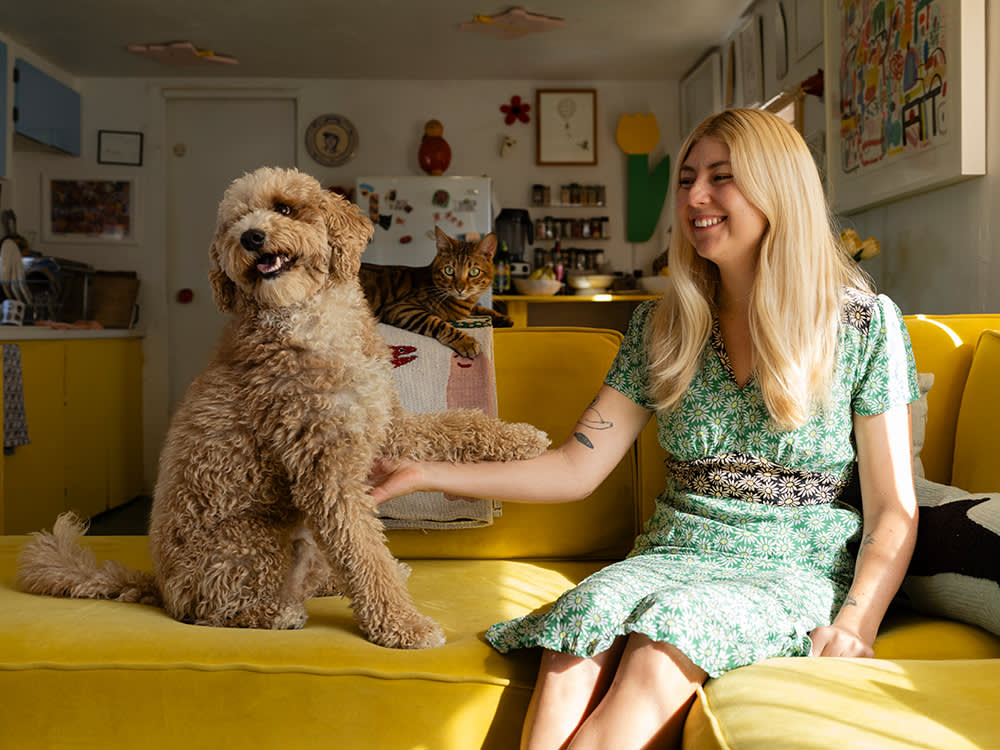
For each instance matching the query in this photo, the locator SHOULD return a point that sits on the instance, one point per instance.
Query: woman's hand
(835, 641)
(391, 478)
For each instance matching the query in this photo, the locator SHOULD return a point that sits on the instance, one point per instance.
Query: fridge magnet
(516, 110)
(331, 140)
(566, 126)
(435, 153)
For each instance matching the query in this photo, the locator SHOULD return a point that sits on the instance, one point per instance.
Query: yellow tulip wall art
(637, 136)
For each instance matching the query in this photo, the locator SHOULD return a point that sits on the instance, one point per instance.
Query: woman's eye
(685, 182)
(284, 209)
(722, 177)
(473, 272)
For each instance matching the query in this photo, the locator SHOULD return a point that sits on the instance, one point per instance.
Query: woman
(770, 366)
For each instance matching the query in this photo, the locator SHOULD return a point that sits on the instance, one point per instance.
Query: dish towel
(432, 378)
(15, 423)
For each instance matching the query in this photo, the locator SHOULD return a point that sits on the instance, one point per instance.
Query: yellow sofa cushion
(100, 675)
(843, 704)
(547, 377)
(943, 345)
(976, 466)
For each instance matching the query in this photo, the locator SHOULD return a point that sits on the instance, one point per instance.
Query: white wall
(389, 115)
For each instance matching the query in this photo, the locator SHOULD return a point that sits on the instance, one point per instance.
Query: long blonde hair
(797, 290)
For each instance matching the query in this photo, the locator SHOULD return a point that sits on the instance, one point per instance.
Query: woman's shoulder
(858, 308)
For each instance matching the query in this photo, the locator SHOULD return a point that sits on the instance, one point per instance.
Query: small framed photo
(566, 124)
(90, 211)
(119, 147)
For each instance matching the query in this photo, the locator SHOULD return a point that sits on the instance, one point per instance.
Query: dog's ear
(348, 232)
(223, 288)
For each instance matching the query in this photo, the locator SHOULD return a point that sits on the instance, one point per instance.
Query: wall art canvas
(906, 105)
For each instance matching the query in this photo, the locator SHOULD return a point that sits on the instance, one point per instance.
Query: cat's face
(463, 269)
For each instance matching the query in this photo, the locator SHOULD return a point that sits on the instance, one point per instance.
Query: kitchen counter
(44, 333)
(606, 310)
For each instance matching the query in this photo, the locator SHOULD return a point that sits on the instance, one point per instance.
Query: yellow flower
(637, 134)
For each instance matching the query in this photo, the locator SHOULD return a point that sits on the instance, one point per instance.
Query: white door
(210, 142)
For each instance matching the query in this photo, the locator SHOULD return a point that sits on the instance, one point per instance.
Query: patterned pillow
(955, 571)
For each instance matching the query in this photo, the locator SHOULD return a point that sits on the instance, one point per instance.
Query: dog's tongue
(271, 263)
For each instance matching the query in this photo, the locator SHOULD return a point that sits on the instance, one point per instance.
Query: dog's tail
(54, 564)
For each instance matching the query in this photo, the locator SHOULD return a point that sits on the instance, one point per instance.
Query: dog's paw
(526, 441)
(417, 631)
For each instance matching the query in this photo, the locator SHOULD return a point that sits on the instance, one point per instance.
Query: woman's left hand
(833, 641)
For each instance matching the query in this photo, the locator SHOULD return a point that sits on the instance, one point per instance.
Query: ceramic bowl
(654, 284)
(541, 287)
(590, 282)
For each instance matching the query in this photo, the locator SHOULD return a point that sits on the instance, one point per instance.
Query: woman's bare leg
(648, 701)
(566, 691)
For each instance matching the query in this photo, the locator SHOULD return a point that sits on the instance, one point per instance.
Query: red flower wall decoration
(516, 110)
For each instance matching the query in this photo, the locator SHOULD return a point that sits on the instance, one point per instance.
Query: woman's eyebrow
(713, 165)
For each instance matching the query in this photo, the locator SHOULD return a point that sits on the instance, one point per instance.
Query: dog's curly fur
(261, 499)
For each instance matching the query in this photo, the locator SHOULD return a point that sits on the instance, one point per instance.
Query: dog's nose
(253, 239)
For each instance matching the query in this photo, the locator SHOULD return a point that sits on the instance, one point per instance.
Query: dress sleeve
(629, 373)
(887, 373)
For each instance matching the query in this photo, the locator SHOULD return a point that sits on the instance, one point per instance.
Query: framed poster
(119, 147)
(566, 126)
(701, 92)
(89, 211)
(906, 101)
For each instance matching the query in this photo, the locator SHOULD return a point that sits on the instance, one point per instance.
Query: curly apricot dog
(261, 499)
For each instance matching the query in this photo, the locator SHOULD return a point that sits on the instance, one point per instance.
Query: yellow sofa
(97, 674)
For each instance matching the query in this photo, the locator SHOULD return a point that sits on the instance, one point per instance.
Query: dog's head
(281, 238)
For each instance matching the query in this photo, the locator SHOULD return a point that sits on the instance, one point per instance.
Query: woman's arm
(572, 471)
(888, 535)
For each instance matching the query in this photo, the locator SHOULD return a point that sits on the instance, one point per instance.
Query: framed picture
(89, 211)
(701, 92)
(750, 64)
(906, 101)
(566, 123)
(119, 147)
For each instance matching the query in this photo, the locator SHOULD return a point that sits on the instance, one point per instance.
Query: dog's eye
(284, 209)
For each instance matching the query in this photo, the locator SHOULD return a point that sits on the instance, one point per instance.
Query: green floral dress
(747, 550)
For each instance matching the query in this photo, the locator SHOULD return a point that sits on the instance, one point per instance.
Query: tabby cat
(424, 299)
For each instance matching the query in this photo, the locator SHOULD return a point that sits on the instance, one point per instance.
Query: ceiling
(373, 39)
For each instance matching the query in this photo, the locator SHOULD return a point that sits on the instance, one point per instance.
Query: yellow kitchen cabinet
(83, 402)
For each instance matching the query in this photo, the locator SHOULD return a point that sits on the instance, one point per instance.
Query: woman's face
(724, 227)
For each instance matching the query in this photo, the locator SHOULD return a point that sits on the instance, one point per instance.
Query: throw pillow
(955, 571)
(918, 416)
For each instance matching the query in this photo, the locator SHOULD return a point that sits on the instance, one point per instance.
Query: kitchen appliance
(514, 226)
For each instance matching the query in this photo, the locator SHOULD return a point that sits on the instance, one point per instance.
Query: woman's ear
(223, 288)
(348, 233)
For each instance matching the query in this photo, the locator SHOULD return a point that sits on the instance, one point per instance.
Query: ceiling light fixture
(512, 24)
(180, 54)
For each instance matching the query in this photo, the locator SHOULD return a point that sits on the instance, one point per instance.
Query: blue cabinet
(3, 115)
(46, 110)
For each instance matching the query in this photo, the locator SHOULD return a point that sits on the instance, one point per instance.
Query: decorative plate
(331, 140)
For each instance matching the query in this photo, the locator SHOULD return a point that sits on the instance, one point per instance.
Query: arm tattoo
(868, 539)
(592, 418)
(583, 440)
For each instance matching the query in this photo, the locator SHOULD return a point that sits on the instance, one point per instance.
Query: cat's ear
(443, 241)
(487, 246)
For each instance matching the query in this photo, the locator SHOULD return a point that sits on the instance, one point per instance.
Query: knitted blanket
(432, 378)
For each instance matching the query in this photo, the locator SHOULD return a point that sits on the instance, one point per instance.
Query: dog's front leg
(352, 536)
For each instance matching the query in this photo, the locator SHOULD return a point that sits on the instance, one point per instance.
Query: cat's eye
(284, 209)
(449, 271)
(473, 273)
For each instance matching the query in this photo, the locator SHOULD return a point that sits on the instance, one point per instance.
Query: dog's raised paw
(528, 441)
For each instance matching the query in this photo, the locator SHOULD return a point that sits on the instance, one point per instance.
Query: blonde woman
(770, 368)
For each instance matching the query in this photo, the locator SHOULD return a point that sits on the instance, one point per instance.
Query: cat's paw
(466, 346)
(502, 321)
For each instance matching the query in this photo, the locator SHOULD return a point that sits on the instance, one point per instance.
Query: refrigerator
(405, 211)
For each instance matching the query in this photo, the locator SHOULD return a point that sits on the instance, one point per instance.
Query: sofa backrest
(944, 345)
(547, 377)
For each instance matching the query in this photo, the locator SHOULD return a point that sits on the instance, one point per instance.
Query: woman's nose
(697, 193)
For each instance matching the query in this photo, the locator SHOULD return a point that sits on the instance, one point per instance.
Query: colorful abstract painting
(894, 81)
